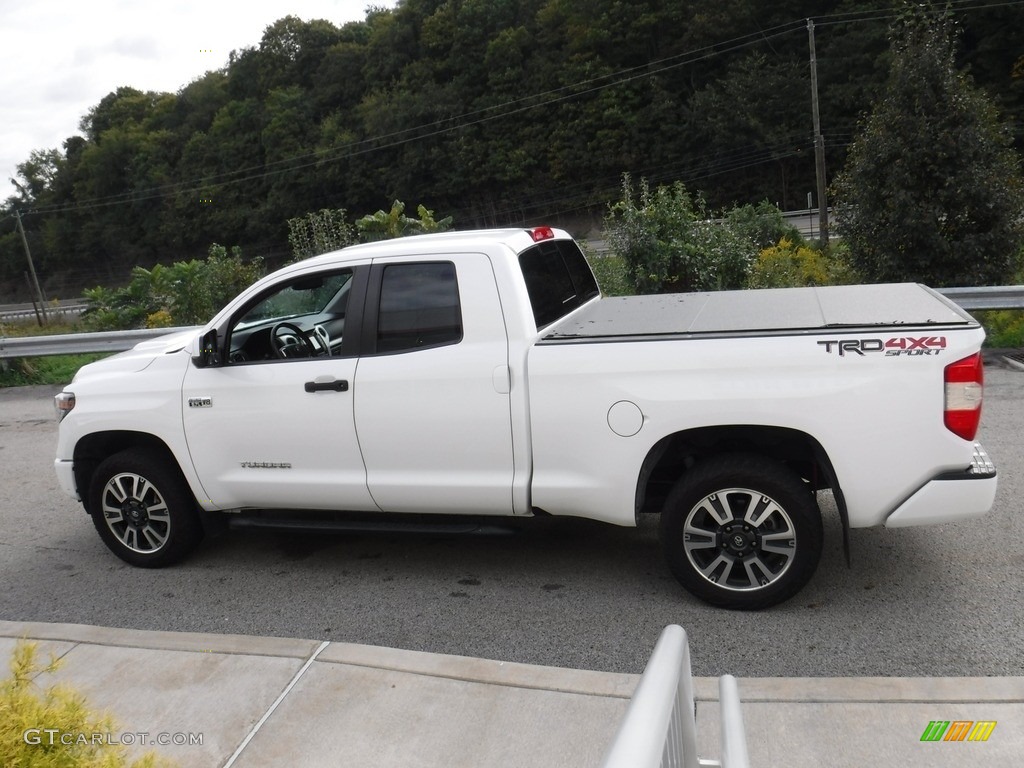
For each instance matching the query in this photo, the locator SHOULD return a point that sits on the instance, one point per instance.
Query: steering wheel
(324, 338)
(294, 343)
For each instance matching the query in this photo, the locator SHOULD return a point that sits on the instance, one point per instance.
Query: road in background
(933, 601)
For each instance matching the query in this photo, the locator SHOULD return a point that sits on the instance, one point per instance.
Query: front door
(273, 426)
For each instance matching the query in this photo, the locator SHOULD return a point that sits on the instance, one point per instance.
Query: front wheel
(741, 531)
(143, 509)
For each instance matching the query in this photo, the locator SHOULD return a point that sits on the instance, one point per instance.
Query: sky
(58, 58)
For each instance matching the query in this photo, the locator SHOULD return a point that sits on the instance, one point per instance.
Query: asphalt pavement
(917, 602)
(519, 650)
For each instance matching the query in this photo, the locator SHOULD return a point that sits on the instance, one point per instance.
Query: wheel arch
(677, 453)
(92, 449)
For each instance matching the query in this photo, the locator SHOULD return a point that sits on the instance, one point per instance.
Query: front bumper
(66, 477)
(951, 496)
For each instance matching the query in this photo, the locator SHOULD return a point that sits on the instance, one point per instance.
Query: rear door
(432, 409)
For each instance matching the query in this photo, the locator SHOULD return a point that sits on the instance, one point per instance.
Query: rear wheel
(143, 509)
(741, 531)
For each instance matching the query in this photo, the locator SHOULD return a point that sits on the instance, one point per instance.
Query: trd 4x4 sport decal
(902, 345)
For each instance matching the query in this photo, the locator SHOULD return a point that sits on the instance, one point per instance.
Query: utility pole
(32, 271)
(819, 142)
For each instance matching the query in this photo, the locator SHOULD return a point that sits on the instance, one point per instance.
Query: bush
(790, 264)
(385, 225)
(762, 224)
(225, 275)
(1004, 329)
(53, 369)
(319, 232)
(610, 272)
(186, 293)
(671, 245)
(25, 706)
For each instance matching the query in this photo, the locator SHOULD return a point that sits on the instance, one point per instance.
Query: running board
(463, 528)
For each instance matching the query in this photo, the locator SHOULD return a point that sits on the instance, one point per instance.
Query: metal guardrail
(660, 726)
(79, 343)
(986, 297)
(971, 299)
(27, 311)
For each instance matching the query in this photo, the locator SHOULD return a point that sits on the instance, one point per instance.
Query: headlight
(63, 403)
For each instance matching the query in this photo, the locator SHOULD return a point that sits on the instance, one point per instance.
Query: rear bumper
(951, 496)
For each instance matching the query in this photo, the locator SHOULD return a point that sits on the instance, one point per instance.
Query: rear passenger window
(419, 307)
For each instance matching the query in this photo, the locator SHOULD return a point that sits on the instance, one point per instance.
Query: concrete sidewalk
(259, 701)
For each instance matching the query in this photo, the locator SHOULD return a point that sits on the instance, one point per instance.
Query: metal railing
(660, 726)
(31, 311)
(971, 299)
(79, 343)
(986, 297)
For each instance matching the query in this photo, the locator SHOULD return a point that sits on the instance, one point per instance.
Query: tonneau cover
(777, 310)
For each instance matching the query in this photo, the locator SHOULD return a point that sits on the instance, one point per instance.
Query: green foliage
(54, 369)
(762, 224)
(610, 272)
(931, 191)
(319, 232)
(225, 275)
(790, 264)
(751, 112)
(38, 173)
(186, 293)
(670, 243)
(24, 705)
(384, 225)
(1004, 329)
(496, 112)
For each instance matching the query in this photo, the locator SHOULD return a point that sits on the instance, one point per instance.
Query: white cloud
(58, 58)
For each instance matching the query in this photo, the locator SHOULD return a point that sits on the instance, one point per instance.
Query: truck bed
(760, 312)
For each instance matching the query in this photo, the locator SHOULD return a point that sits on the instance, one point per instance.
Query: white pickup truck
(483, 374)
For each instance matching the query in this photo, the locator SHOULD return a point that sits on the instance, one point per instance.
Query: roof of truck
(516, 239)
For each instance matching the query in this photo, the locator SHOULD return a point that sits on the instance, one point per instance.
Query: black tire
(143, 509)
(741, 531)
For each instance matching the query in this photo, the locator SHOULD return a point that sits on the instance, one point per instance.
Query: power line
(475, 117)
(437, 127)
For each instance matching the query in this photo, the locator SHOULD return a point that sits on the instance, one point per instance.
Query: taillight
(542, 233)
(965, 381)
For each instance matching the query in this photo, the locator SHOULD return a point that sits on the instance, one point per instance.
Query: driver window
(296, 319)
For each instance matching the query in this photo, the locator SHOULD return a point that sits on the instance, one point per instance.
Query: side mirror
(209, 352)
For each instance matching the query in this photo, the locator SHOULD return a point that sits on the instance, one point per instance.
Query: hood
(140, 356)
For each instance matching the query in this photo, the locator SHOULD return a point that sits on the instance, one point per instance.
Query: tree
(499, 113)
(931, 191)
(751, 124)
(37, 174)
